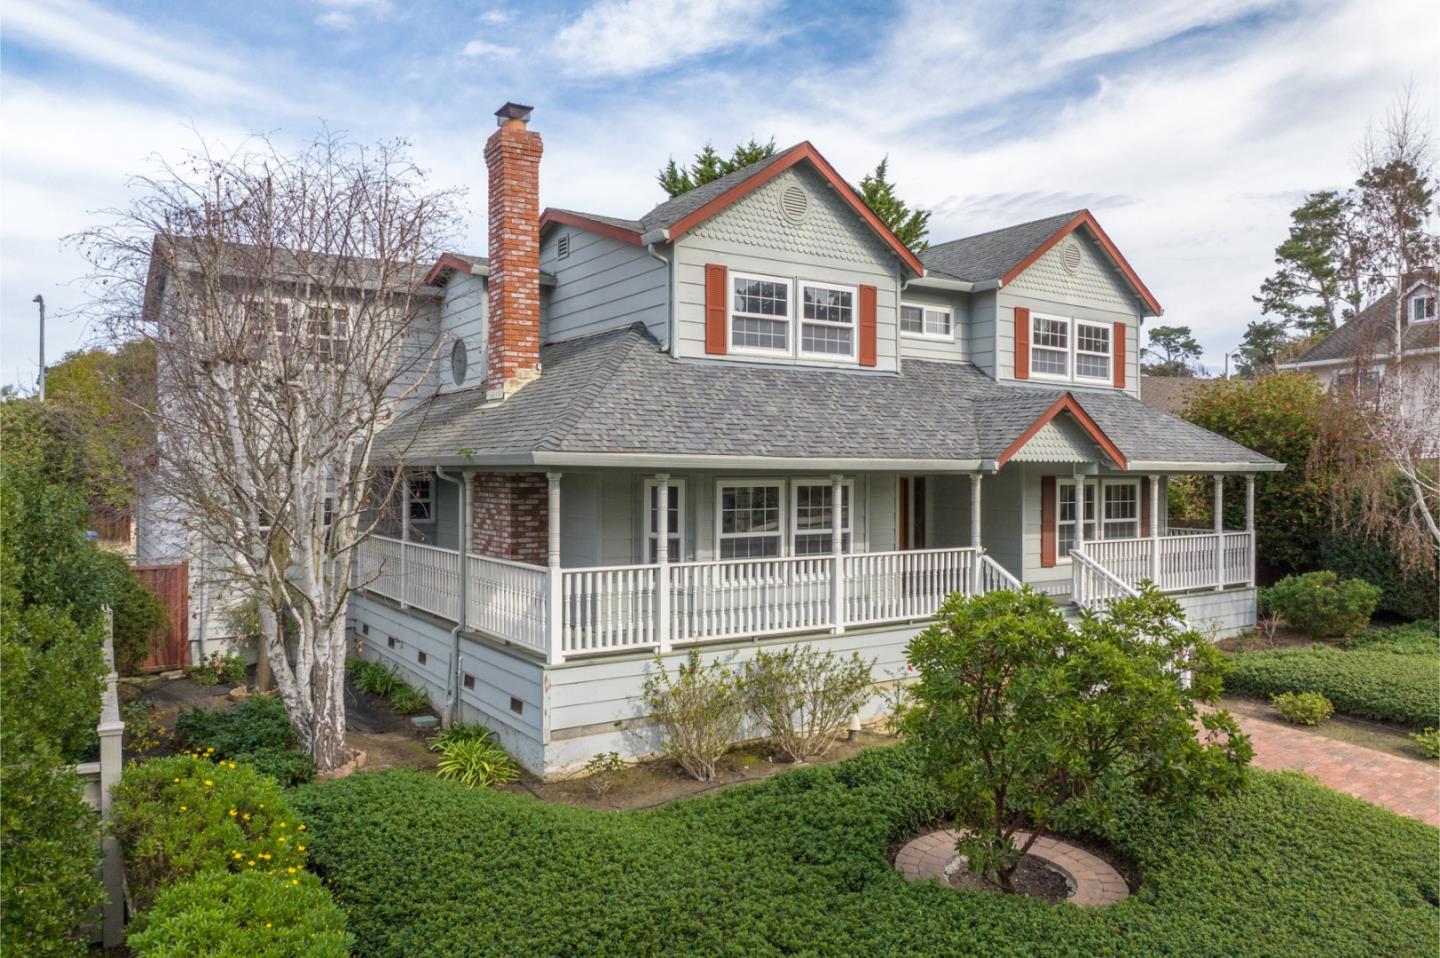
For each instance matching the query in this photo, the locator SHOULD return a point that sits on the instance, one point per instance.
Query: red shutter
(715, 290)
(1144, 508)
(1022, 361)
(1047, 519)
(1119, 355)
(868, 331)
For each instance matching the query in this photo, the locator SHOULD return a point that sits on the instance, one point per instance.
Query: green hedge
(799, 865)
(1392, 675)
(224, 914)
(256, 732)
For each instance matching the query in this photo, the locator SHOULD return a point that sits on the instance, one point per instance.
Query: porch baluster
(975, 586)
(1155, 531)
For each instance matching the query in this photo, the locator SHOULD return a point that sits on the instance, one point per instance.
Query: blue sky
(1189, 127)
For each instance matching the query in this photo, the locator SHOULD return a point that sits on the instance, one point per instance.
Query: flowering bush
(176, 817)
(278, 915)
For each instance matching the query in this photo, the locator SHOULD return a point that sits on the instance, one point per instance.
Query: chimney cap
(514, 111)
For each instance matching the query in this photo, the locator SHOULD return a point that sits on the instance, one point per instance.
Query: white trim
(746, 482)
(925, 309)
(1098, 521)
(1411, 300)
(794, 513)
(1374, 357)
(800, 321)
(789, 318)
(676, 531)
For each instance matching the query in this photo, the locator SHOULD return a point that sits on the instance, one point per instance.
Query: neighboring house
(648, 424)
(1170, 394)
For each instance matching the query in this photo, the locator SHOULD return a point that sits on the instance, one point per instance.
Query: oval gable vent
(1071, 257)
(794, 203)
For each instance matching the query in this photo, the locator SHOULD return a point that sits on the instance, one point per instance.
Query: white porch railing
(1093, 585)
(1191, 560)
(567, 612)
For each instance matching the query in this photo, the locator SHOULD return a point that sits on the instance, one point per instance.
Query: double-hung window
(759, 314)
(813, 517)
(327, 329)
(420, 498)
(827, 320)
(674, 520)
(1092, 351)
(1122, 510)
(750, 520)
(1065, 514)
(1422, 308)
(927, 322)
(1049, 346)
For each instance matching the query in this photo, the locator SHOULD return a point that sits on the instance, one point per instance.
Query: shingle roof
(674, 210)
(634, 226)
(1370, 333)
(989, 256)
(1171, 394)
(617, 392)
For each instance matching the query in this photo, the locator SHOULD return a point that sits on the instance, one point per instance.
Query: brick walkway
(1095, 881)
(1406, 786)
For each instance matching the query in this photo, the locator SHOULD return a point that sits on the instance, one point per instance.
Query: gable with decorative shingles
(1076, 270)
(1061, 439)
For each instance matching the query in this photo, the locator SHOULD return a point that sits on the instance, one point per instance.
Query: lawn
(1390, 674)
(799, 865)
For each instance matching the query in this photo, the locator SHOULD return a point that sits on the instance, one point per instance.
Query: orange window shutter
(1022, 350)
(1119, 355)
(715, 283)
(868, 327)
(1145, 508)
(1047, 521)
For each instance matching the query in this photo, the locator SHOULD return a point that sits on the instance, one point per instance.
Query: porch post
(1219, 509)
(837, 547)
(975, 538)
(554, 609)
(1250, 521)
(1080, 511)
(662, 561)
(1155, 530)
(405, 538)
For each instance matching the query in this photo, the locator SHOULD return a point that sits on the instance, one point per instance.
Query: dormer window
(1060, 344)
(1422, 307)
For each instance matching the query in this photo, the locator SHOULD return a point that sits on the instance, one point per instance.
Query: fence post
(111, 731)
(662, 562)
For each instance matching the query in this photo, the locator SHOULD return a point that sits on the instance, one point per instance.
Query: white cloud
(616, 38)
(344, 14)
(485, 50)
(495, 17)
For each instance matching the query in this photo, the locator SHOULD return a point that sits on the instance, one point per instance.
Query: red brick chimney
(512, 156)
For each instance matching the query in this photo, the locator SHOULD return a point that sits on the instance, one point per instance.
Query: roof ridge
(1001, 229)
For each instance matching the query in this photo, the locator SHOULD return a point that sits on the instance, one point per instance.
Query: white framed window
(1093, 351)
(1049, 346)
(327, 330)
(759, 314)
(749, 518)
(927, 322)
(419, 497)
(812, 516)
(827, 320)
(675, 520)
(1065, 514)
(1422, 307)
(1121, 504)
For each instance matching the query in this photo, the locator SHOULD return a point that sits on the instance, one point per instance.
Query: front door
(912, 512)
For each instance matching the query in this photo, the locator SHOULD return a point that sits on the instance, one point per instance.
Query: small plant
(219, 669)
(601, 771)
(461, 732)
(896, 697)
(1429, 742)
(475, 762)
(802, 695)
(142, 732)
(373, 678)
(699, 712)
(281, 915)
(1322, 605)
(1303, 708)
(407, 700)
(258, 722)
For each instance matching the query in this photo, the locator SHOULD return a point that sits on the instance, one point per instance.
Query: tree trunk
(263, 678)
(328, 739)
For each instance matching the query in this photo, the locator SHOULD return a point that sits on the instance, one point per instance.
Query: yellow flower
(238, 855)
(184, 808)
(251, 863)
(262, 804)
(265, 855)
(232, 813)
(281, 839)
(246, 816)
(300, 847)
(208, 783)
(282, 824)
(175, 780)
(294, 881)
(267, 924)
(301, 827)
(290, 870)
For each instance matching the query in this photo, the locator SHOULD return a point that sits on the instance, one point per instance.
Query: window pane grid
(1092, 351)
(760, 317)
(749, 521)
(827, 320)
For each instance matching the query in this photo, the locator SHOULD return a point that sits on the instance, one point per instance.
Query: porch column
(405, 538)
(662, 561)
(554, 610)
(1219, 526)
(1155, 530)
(1079, 511)
(975, 539)
(837, 547)
(1250, 522)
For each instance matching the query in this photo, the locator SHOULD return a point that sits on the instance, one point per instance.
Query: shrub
(259, 722)
(142, 732)
(137, 611)
(1018, 715)
(1321, 604)
(799, 865)
(407, 700)
(461, 732)
(699, 712)
(600, 772)
(1429, 742)
(221, 913)
(218, 669)
(288, 766)
(801, 695)
(1303, 708)
(1376, 685)
(176, 817)
(373, 677)
(1414, 638)
(475, 762)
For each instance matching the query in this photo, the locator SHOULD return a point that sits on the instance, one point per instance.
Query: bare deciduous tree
(284, 294)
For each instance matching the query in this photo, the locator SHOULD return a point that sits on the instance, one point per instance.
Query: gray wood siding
(464, 314)
(923, 347)
(981, 338)
(1219, 615)
(831, 245)
(1002, 518)
(601, 284)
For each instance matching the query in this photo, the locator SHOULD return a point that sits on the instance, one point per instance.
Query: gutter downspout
(650, 239)
(452, 682)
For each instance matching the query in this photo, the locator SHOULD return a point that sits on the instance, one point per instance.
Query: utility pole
(41, 300)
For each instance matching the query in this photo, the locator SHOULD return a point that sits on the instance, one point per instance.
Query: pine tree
(909, 226)
(1318, 283)
(1174, 351)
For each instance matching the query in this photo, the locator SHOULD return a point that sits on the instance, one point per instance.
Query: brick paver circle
(1094, 882)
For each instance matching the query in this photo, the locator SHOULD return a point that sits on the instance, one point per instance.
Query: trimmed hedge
(799, 865)
(224, 914)
(256, 732)
(1392, 675)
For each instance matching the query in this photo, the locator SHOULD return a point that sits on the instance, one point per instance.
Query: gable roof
(678, 215)
(1002, 255)
(1370, 334)
(616, 398)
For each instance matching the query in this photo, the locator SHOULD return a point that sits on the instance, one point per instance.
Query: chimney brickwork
(512, 157)
(510, 516)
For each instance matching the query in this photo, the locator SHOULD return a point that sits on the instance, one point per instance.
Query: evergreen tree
(909, 226)
(1265, 343)
(1318, 281)
(1174, 352)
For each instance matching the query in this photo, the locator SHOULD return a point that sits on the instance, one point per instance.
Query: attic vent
(1070, 256)
(562, 247)
(794, 203)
